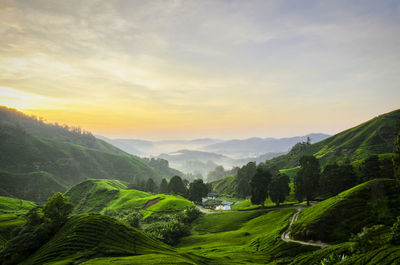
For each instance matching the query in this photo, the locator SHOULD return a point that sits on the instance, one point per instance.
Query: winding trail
(205, 211)
(285, 236)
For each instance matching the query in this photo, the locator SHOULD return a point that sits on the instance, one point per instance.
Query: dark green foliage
(150, 185)
(307, 178)
(27, 241)
(335, 219)
(387, 167)
(169, 231)
(279, 188)
(133, 219)
(335, 179)
(57, 209)
(370, 238)
(176, 186)
(33, 217)
(38, 230)
(191, 213)
(396, 159)
(371, 168)
(244, 175)
(259, 185)
(163, 186)
(197, 190)
(88, 235)
(395, 237)
(170, 228)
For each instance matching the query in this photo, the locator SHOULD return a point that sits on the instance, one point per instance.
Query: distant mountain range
(203, 155)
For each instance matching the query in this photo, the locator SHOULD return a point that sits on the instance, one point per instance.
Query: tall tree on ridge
(306, 181)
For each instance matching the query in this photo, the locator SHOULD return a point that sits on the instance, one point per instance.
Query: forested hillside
(376, 136)
(38, 159)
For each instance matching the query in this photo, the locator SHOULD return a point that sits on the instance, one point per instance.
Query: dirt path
(150, 203)
(204, 210)
(286, 234)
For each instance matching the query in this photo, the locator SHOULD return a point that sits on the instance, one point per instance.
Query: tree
(259, 185)
(215, 174)
(176, 186)
(57, 209)
(307, 178)
(371, 168)
(279, 188)
(163, 186)
(197, 190)
(335, 179)
(150, 185)
(244, 175)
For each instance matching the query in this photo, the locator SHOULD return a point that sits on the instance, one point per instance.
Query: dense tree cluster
(279, 188)
(306, 182)
(335, 179)
(244, 176)
(259, 185)
(197, 190)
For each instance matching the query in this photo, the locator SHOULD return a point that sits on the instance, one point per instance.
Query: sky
(193, 69)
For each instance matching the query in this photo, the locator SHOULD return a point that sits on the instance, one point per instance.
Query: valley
(146, 216)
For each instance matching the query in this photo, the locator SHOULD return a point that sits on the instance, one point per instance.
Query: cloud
(217, 62)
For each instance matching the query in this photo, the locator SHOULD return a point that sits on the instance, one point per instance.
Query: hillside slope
(373, 137)
(12, 213)
(94, 235)
(33, 153)
(335, 219)
(100, 195)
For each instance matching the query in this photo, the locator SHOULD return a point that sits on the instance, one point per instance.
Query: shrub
(168, 232)
(191, 213)
(133, 219)
(370, 238)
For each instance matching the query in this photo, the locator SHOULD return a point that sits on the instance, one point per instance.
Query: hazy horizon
(201, 69)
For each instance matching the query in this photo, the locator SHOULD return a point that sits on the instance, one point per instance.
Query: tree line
(310, 182)
(194, 191)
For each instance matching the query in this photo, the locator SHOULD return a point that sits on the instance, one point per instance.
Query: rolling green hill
(373, 137)
(93, 235)
(335, 219)
(38, 159)
(12, 213)
(100, 195)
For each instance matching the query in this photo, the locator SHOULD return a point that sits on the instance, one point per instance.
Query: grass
(386, 255)
(100, 195)
(335, 219)
(240, 237)
(12, 213)
(88, 235)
